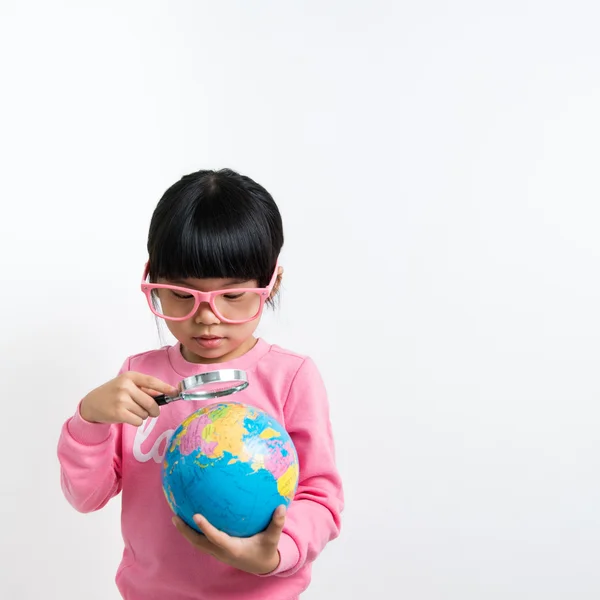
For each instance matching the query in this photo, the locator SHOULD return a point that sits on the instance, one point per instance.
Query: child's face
(203, 337)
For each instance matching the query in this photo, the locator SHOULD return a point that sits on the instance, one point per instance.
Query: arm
(90, 461)
(314, 517)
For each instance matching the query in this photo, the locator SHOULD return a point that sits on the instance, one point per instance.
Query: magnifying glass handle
(164, 399)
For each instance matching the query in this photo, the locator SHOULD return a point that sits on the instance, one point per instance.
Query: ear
(277, 283)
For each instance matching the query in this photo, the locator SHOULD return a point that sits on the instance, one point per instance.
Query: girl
(211, 233)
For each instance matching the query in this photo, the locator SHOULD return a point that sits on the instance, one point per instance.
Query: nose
(205, 315)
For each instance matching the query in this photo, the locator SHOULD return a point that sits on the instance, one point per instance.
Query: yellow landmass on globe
(269, 433)
(170, 499)
(287, 482)
(227, 429)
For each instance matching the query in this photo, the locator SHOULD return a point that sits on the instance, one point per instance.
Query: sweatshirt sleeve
(314, 517)
(90, 461)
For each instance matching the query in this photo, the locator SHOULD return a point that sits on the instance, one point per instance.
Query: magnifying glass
(206, 386)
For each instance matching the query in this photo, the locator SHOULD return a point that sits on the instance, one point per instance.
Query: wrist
(288, 557)
(86, 432)
(272, 565)
(84, 413)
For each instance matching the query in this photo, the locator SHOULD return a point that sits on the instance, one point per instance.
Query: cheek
(175, 327)
(241, 332)
(182, 329)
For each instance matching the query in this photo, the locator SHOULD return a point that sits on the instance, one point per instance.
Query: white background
(436, 164)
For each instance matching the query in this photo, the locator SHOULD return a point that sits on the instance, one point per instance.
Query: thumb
(273, 531)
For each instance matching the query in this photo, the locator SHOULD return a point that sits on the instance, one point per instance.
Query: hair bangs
(211, 227)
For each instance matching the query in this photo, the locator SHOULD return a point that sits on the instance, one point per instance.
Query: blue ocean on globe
(232, 463)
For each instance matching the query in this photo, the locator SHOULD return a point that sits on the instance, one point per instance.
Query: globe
(232, 463)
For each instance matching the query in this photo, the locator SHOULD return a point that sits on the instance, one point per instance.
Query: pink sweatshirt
(98, 461)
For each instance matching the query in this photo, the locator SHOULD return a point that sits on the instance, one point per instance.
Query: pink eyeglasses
(235, 305)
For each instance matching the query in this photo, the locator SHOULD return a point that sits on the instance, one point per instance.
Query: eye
(181, 296)
(233, 296)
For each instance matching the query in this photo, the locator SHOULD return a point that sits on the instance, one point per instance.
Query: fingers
(135, 409)
(214, 535)
(151, 383)
(131, 419)
(142, 387)
(150, 392)
(125, 399)
(145, 402)
(273, 531)
(126, 410)
(193, 537)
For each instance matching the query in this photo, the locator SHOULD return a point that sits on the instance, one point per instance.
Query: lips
(208, 341)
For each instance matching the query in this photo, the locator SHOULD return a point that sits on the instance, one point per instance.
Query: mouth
(209, 341)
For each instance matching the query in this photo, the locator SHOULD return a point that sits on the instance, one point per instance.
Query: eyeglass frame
(207, 297)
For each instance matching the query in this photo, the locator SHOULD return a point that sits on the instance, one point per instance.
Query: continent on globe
(232, 463)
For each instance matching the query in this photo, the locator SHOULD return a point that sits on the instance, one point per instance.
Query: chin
(212, 355)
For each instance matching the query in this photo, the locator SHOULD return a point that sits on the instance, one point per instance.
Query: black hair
(216, 224)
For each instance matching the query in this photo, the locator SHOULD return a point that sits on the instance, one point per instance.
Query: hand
(125, 399)
(257, 554)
